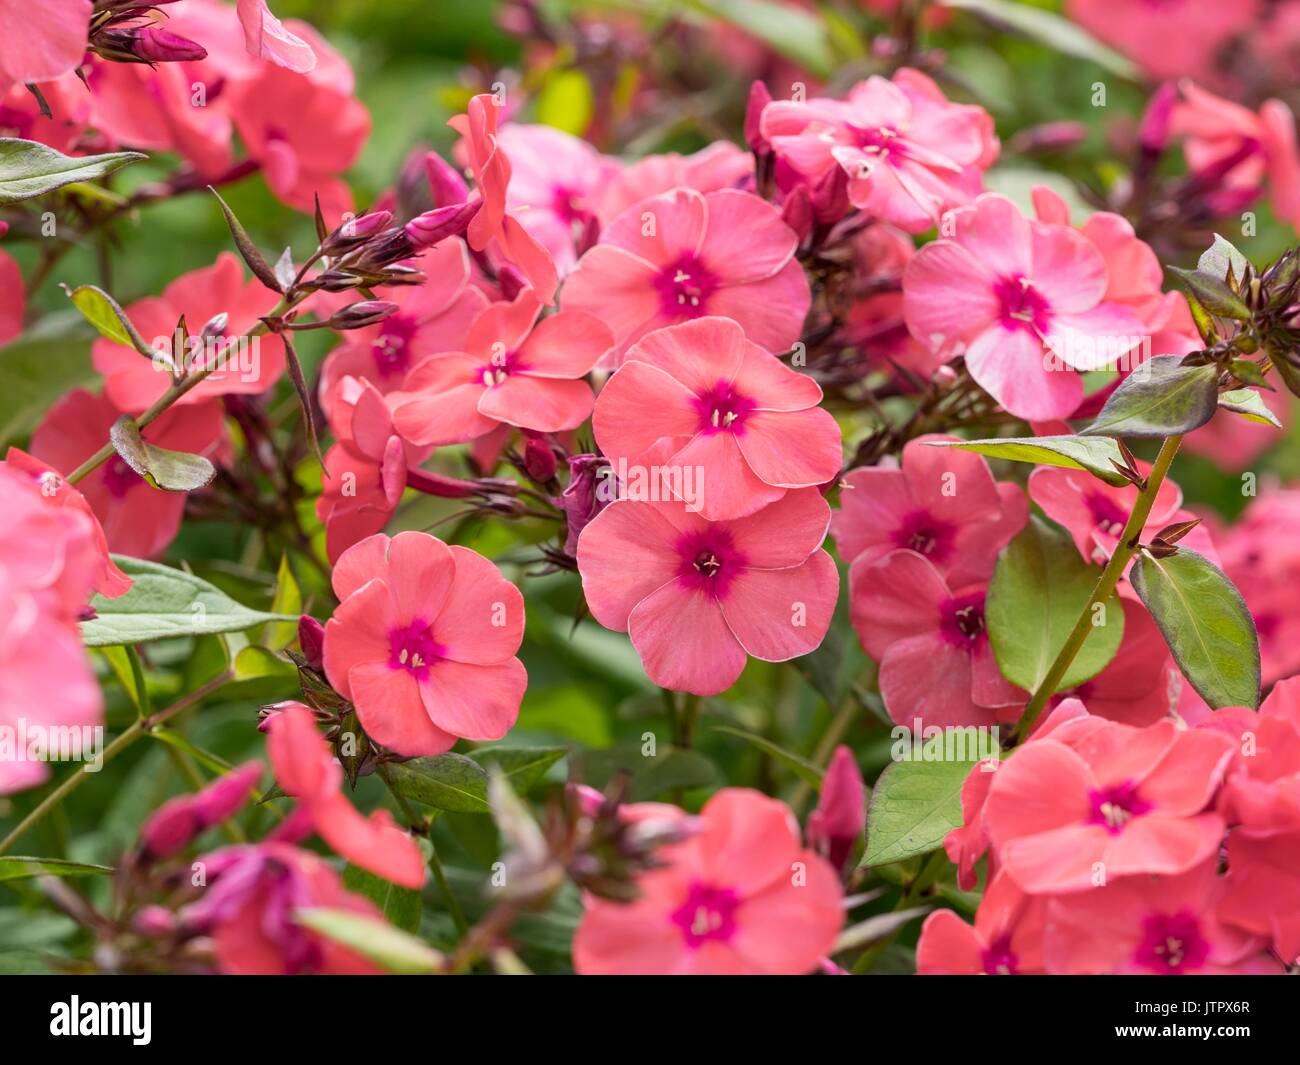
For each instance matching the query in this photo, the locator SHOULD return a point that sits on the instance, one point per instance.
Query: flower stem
(138, 728)
(1124, 551)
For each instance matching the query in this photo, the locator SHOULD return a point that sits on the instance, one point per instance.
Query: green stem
(138, 728)
(1127, 547)
(839, 725)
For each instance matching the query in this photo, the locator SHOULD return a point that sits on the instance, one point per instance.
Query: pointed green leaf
(248, 251)
(1250, 405)
(28, 169)
(1038, 590)
(103, 312)
(13, 867)
(523, 766)
(400, 906)
(801, 767)
(445, 782)
(386, 946)
(1213, 292)
(1206, 624)
(1051, 29)
(165, 602)
(1162, 397)
(1221, 259)
(1094, 454)
(917, 801)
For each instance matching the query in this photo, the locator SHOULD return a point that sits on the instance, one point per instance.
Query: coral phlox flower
(185, 817)
(699, 395)
(306, 770)
(424, 643)
(515, 370)
(1100, 798)
(697, 598)
(266, 37)
(685, 255)
(39, 42)
(1024, 302)
(908, 153)
(1006, 939)
(242, 366)
(741, 896)
(931, 641)
(494, 222)
(942, 503)
(722, 165)
(137, 519)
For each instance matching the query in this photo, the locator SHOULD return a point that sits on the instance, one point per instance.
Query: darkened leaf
(247, 249)
(171, 471)
(1162, 397)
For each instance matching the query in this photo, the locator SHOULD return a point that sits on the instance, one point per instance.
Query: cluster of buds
(124, 32)
(371, 250)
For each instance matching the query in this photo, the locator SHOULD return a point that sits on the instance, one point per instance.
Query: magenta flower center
(391, 349)
(500, 366)
(1172, 943)
(922, 533)
(709, 561)
(119, 478)
(999, 959)
(1116, 806)
(723, 409)
(963, 619)
(882, 142)
(685, 287)
(568, 206)
(413, 648)
(1021, 306)
(709, 913)
(1106, 513)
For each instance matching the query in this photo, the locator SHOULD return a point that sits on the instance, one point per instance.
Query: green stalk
(1128, 545)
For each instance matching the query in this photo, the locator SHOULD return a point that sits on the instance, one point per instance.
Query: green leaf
(523, 766)
(666, 770)
(13, 867)
(565, 102)
(165, 602)
(1250, 405)
(40, 367)
(790, 31)
(800, 766)
(1038, 590)
(247, 249)
(400, 906)
(1213, 292)
(288, 600)
(1206, 624)
(1162, 397)
(1222, 259)
(1093, 454)
(1286, 369)
(446, 782)
(1049, 28)
(126, 666)
(29, 169)
(170, 471)
(917, 801)
(103, 312)
(386, 946)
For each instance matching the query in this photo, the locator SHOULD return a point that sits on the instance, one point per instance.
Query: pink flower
(1143, 925)
(249, 910)
(698, 598)
(555, 183)
(13, 299)
(1263, 884)
(182, 819)
(246, 367)
(841, 815)
(943, 504)
(492, 173)
(70, 109)
(1141, 30)
(1015, 296)
(685, 255)
(306, 770)
(739, 897)
(1094, 512)
(432, 318)
(721, 165)
(266, 38)
(138, 520)
(359, 494)
(423, 643)
(514, 370)
(304, 134)
(908, 153)
(40, 42)
(1007, 939)
(1113, 801)
(930, 639)
(699, 395)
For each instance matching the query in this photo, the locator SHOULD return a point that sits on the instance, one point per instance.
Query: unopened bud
(759, 98)
(428, 229)
(445, 181)
(539, 459)
(358, 229)
(216, 326)
(150, 45)
(841, 815)
(830, 196)
(311, 640)
(797, 211)
(1153, 133)
(362, 314)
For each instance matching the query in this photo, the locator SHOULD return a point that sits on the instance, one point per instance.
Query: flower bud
(428, 229)
(581, 500)
(830, 196)
(797, 211)
(311, 639)
(539, 459)
(363, 313)
(840, 817)
(759, 98)
(445, 181)
(155, 921)
(146, 45)
(4, 228)
(216, 326)
(1153, 133)
(355, 230)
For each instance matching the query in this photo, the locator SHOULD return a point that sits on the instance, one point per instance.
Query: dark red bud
(311, 639)
(759, 98)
